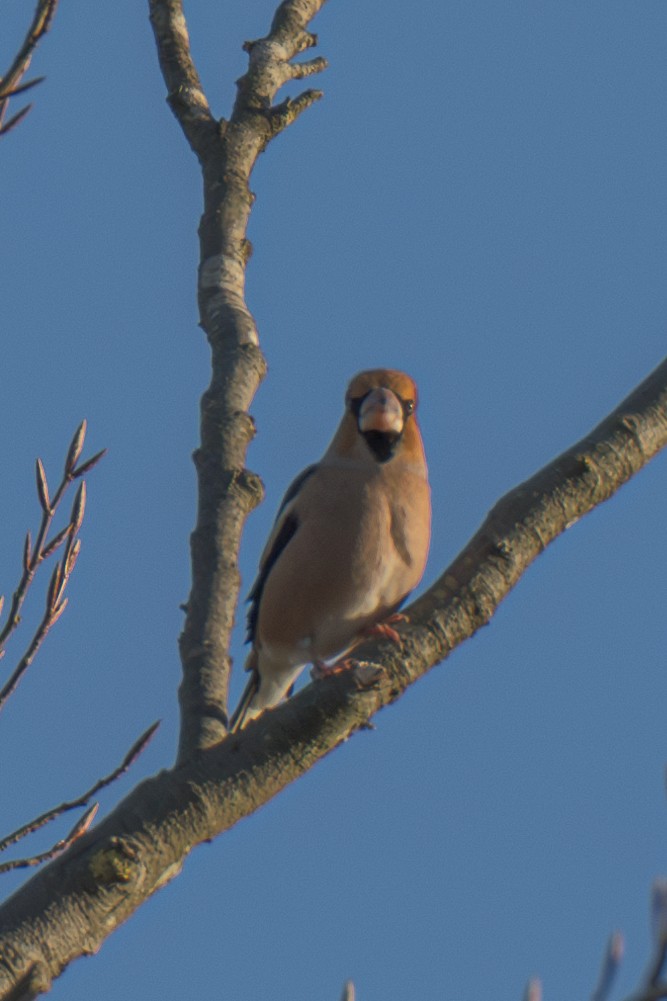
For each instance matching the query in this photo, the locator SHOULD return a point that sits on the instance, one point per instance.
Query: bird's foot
(365, 674)
(385, 628)
(320, 669)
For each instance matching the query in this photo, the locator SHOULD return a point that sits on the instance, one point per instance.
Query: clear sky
(481, 199)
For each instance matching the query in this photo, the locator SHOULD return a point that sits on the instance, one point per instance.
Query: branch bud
(89, 464)
(78, 509)
(71, 556)
(75, 448)
(55, 587)
(42, 487)
(82, 824)
(57, 612)
(56, 541)
(139, 745)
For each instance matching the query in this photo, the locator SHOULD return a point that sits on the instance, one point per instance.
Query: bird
(349, 543)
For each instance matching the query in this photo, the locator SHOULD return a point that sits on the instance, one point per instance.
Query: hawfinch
(349, 543)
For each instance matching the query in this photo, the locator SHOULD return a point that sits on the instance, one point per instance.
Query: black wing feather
(294, 487)
(287, 530)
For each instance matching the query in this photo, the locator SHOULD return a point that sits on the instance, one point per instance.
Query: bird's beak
(381, 411)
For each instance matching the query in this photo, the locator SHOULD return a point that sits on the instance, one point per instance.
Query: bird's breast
(341, 571)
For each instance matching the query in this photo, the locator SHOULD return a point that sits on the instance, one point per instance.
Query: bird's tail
(238, 717)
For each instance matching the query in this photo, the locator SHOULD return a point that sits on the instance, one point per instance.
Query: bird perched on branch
(349, 542)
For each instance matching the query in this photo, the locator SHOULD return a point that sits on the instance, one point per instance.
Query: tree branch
(57, 811)
(82, 825)
(184, 90)
(34, 556)
(227, 491)
(70, 907)
(10, 83)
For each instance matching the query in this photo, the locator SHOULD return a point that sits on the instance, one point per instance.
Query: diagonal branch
(70, 907)
(227, 151)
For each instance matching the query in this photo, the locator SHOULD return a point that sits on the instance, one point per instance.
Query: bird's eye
(354, 403)
(408, 407)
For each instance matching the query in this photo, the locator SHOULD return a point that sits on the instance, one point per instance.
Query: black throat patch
(383, 444)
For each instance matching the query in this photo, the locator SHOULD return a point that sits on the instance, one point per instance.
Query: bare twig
(74, 804)
(79, 829)
(611, 963)
(34, 555)
(23, 87)
(10, 84)
(14, 120)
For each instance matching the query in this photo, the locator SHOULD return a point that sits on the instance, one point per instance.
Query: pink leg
(384, 629)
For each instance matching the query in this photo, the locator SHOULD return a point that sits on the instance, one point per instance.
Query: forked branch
(82, 825)
(227, 151)
(43, 548)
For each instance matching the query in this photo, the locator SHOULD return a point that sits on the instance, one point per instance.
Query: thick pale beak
(381, 411)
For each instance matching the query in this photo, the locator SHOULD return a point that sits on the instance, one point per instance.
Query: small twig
(22, 87)
(56, 603)
(34, 555)
(14, 120)
(10, 83)
(88, 465)
(79, 828)
(610, 965)
(57, 811)
(282, 115)
(50, 617)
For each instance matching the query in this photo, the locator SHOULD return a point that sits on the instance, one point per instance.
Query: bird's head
(380, 407)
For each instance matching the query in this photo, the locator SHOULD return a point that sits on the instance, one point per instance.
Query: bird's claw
(321, 670)
(366, 673)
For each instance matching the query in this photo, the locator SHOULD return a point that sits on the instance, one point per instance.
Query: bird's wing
(284, 528)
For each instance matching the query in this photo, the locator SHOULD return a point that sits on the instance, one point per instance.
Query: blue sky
(480, 200)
